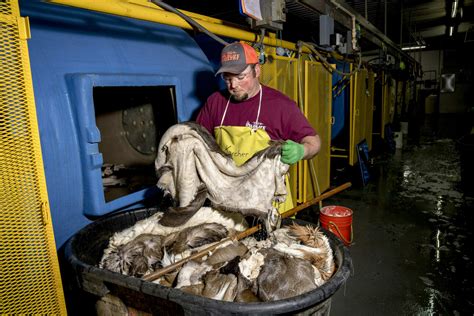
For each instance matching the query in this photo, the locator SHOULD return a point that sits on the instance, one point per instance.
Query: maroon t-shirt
(280, 117)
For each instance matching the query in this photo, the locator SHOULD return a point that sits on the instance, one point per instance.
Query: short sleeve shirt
(279, 116)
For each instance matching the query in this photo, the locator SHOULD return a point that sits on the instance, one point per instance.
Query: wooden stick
(158, 273)
(323, 196)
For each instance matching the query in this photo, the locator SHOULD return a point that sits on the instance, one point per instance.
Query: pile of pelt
(291, 261)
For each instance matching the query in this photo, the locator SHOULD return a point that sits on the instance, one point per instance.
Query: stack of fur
(291, 261)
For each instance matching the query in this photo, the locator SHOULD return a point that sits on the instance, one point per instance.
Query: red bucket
(338, 220)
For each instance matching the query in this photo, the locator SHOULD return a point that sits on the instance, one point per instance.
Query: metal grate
(30, 282)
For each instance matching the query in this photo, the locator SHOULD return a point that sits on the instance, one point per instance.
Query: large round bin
(84, 251)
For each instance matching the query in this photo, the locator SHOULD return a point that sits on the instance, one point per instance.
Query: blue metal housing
(74, 50)
(340, 98)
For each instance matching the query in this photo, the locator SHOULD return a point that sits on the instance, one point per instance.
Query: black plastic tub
(84, 251)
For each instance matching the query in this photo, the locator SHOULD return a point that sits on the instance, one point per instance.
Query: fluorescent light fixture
(454, 8)
(414, 47)
(451, 29)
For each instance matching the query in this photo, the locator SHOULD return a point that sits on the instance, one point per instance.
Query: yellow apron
(242, 142)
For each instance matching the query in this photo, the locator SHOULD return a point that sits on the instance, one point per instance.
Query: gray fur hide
(191, 167)
(284, 277)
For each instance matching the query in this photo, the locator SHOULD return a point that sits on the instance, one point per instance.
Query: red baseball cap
(236, 57)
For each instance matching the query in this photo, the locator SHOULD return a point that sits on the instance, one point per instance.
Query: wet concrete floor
(413, 241)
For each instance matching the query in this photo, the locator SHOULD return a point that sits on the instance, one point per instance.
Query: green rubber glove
(291, 152)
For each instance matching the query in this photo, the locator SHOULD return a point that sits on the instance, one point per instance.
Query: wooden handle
(158, 273)
(323, 196)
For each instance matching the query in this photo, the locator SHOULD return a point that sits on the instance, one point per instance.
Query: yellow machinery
(315, 84)
(281, 74)
(361, 111)
(317, 108)
(30, 281)
(388, 101)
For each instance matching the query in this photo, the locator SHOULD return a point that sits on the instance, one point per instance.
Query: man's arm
(292, 152)
(311, 144)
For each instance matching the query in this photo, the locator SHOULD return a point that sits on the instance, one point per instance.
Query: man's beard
(240, 98)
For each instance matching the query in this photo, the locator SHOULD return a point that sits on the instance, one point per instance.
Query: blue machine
(340, 98)
(103, 84)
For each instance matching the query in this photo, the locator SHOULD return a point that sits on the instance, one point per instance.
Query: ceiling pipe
(147, 11)
(370, 32)
(366, 13)
(353, 19)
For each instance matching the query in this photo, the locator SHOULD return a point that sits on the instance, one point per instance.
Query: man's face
(244, 85)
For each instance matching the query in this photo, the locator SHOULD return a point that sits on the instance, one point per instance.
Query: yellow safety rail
(30, 282)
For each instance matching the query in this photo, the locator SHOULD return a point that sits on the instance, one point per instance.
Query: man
(246, 116)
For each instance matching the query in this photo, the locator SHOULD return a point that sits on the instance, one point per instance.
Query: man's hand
(291, 152)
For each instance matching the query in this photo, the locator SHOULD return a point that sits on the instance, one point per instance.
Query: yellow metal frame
(361, 112)
(352, 112)
(369, 109)
(30, 281)
(388, 102)
(318, 111)
(288, 85)
(282, 74)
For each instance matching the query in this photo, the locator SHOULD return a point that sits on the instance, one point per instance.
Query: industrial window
(131, 121)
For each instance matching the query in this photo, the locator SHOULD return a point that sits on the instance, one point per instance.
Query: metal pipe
(366, 15)
(142, 10)
(353, 19)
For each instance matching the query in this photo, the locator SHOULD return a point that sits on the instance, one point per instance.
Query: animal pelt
(246, 296)
(220, 286)
(194, 237)
(284, 277)
(231, 221)
(246, 290)
(167, 279)
(215, 286)
(191, 273)
(138, 257)
(227, 254)
(188, 159)
(200, 279)
(315, 238)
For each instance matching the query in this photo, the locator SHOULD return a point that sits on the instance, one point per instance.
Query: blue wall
(69, 43)
(340, 100)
